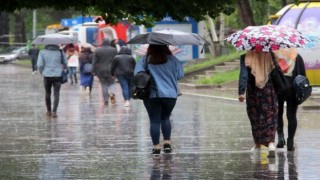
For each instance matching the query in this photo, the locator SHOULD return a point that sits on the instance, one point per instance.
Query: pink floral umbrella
(267, 38)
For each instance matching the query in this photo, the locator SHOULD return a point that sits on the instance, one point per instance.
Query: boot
(281, 141)
(75, 79)
(290, 145)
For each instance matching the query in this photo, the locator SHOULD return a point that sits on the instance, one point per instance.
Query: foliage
(220, 78)
(212, 62)
(139, 11)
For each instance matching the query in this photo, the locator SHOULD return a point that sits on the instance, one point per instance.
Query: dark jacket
(123, 63)
(102, 60)
(85, 57)
(33, 53)
(245, 73)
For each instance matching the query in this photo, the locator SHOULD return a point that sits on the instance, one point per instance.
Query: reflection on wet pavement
(211, 138)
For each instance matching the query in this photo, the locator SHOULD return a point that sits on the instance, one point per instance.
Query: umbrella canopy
(54, 39)
(168, 37)
(142, 50)
(87, 45)
(267, 38)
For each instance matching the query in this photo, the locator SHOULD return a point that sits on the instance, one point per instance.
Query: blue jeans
(126, 85)
(159, 111)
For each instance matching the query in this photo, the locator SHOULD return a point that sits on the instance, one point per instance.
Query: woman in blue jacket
(165, 70)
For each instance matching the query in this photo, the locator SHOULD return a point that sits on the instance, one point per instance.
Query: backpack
(141, 84)
(87, 68)
(302, 88)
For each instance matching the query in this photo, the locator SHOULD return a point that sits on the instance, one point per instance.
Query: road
(211, 137)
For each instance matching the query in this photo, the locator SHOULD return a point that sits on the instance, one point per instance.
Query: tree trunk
(19, 29)
(4, 30)
(284, 3)
(214, 40)
(245, 12)
(222, 29)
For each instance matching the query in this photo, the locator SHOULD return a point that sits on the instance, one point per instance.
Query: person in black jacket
(33, 53)
(123, 68)
(292, 64)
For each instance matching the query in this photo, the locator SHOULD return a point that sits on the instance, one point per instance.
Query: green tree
(139, 11)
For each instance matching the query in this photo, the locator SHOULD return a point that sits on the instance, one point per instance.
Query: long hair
(158, 53)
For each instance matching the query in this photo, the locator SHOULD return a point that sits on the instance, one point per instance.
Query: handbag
(280, 83)
(87, 68)
(302, 88)
(141, 84)
(64, 73)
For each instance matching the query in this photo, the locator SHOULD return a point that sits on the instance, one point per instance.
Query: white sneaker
(272, 150)
(127, 104)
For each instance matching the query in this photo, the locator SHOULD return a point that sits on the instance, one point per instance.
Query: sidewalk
(211, 137)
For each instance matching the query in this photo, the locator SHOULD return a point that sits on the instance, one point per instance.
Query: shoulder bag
(302, 88)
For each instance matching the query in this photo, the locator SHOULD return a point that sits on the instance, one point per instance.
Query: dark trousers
(159, 111)
(54, 82)
(34, 64)
(292, 108)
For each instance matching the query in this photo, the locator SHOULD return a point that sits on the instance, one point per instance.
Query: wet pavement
(211, 137)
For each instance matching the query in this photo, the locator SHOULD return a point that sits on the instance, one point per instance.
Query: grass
(213, 61)
(220, 78)
(23, 62)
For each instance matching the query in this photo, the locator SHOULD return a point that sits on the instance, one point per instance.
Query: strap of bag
(275, 63)
(64, 65)
(147, 70)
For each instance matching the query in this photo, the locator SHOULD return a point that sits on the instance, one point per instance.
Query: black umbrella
(168, 37)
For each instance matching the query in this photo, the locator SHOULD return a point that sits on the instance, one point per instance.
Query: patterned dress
(262, 106)
(262, 110)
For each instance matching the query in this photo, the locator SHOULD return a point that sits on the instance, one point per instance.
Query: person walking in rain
(101, 67)
(165, 70)
(86, 79)
(292, 65)
(73, 63)
(49, 63)
(33, 53)
(256, 87)
(123, 68)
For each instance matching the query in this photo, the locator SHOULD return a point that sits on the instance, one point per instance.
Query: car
(14, 53)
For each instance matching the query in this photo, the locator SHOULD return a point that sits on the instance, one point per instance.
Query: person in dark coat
(86, 79)
(101, 67)
(33, 53)
(292, 64)
(123, 68)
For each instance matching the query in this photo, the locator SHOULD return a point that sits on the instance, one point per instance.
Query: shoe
(281, 141)
(106, 103)
(272, 150)
(167, 148)
(156, 151)
(127, 104)
(48, 113)
(290, 145)
(256, 148)
(54, 114)
(113, 98)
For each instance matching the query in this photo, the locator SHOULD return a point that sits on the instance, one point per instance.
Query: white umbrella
(54, 39)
